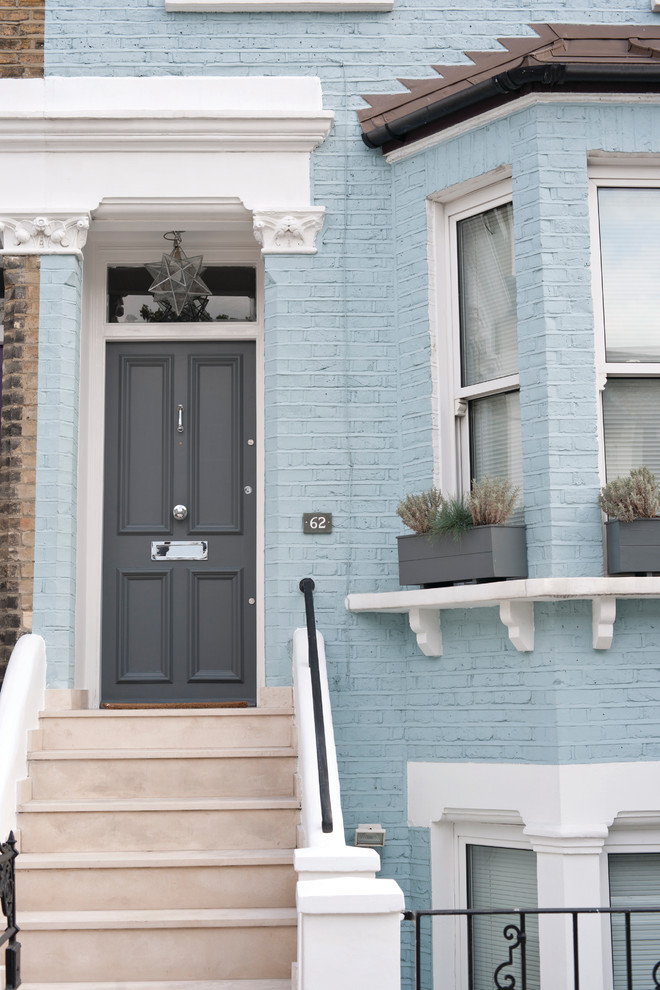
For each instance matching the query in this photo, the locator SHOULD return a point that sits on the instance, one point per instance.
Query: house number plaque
(317, 523)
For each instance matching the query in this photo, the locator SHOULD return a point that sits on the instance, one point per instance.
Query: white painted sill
(272, 6)
(516, 603)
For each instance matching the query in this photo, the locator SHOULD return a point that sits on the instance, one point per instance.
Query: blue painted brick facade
(57, 463)
(348, 393)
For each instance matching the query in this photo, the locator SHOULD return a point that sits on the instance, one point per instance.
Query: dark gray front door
(180, 430)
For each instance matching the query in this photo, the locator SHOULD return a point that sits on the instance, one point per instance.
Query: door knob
(179, 512)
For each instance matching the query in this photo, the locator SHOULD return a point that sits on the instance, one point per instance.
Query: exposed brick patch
(22, 39)
(18, 449)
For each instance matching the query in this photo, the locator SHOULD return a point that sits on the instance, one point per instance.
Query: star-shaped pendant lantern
(176, 281)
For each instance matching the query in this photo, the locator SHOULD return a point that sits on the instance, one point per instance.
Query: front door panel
(178, 420)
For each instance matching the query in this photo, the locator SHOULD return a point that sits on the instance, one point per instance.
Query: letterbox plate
(180, 550)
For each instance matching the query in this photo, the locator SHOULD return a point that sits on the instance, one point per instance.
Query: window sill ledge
(516, 603)
(278, 6)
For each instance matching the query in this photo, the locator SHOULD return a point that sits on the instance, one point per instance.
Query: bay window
(628, 342)
(478, 382)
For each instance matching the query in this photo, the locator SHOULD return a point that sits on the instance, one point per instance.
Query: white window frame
(624, 175)
(450, 396)
(449, 843)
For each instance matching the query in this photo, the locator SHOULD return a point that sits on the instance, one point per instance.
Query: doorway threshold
(174, 704)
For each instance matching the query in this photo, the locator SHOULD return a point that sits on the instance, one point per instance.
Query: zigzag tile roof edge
(555, 47)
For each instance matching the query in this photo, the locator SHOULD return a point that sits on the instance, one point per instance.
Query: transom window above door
(233, 296)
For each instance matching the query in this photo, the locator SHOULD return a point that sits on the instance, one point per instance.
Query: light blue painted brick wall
(57, 463)
(348, 390)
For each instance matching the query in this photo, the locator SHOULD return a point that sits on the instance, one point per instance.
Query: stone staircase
(157, 849)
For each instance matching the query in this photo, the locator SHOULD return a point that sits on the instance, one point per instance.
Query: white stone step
(167, 985)
(99, 774)
(156, 825)
(120, 881)
(157, 945)
(158, 729)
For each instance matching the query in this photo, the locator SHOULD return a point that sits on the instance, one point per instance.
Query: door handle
(179, 428)
(179, 512)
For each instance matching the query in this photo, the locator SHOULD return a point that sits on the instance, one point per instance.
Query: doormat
(174, 704)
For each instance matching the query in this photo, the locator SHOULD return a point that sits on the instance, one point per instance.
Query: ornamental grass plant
(635, 497)
(490, 502)
(417, 511)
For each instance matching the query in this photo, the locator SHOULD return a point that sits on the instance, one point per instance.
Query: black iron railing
(512, 973)
(307, 588)
(8, 854)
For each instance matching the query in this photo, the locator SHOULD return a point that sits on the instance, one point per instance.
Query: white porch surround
(570, 815)
(227, 159)
(516, 603)
(69, 144)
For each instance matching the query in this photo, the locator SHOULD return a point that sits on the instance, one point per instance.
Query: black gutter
(507, 84)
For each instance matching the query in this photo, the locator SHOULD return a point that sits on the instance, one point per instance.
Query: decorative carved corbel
(44, 235)
(288, 231)
(425, 623)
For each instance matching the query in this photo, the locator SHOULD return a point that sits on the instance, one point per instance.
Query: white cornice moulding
(222, 132)
(44, 235)
(288, 231)
(278, 6)
(573, 804)
(162, 114)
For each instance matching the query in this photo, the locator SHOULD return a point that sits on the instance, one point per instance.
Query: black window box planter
(482, 553)
(633, 547)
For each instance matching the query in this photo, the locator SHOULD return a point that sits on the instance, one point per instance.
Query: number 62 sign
(317, 523)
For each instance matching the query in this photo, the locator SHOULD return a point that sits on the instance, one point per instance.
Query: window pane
(487, 296)
(630, 248)
(502, 878)
(631, 419)
(635, 882)
(495, 441)
(233, 288)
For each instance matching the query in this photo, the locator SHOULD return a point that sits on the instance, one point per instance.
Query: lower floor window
(635, 882)
(502, 878)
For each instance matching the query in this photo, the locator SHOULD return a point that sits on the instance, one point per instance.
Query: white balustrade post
(349, 934)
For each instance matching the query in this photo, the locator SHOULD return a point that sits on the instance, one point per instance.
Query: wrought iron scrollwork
(8, 854)
(655, 974)
(510, 932)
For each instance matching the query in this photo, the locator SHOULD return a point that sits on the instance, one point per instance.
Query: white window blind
(489, 346)
(635, 882)
(495, 440)
(502, 878)
(631, 420)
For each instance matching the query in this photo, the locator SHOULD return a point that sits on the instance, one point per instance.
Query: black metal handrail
(516, 937)
(8, 854)
(307, 587)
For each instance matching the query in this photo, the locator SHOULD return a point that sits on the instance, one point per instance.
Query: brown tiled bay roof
(564, 57)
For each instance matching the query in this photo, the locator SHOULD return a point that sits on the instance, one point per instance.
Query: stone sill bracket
(516, 604)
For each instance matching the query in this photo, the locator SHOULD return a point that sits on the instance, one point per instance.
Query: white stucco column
(568, 871)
